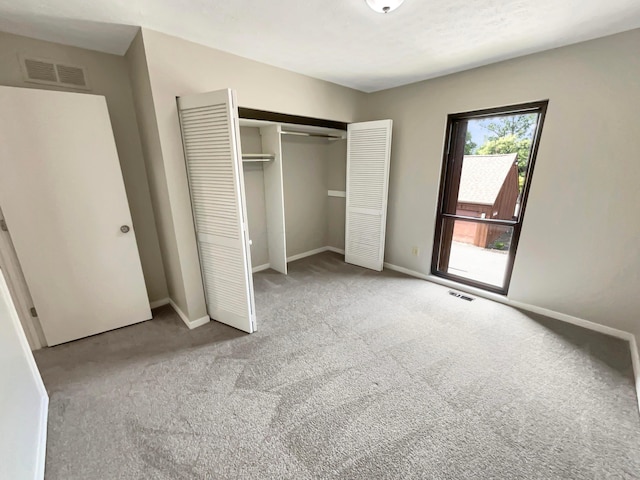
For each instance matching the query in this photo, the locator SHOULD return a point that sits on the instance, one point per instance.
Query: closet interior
(265, 192)
(295, 183)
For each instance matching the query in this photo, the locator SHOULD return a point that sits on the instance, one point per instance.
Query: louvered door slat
(368, 155)
(210, 137)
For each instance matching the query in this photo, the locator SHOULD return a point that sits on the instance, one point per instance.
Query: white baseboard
(42, 444)
(293, 258)
(260, 268)
(189, 323)
(159, 303)
(581, 322)
(337, 193)
(563, 317)
(199, 322)
(614, 332)
(406, 271)
(635, 361)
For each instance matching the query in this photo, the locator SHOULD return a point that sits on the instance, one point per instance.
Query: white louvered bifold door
(211, 139)
(368, 154)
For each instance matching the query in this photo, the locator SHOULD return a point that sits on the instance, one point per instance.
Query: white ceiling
(342, 41)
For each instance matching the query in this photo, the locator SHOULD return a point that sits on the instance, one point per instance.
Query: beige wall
(304, 171)
(311, 166)
(178, 67)
(579, 251)
(108, 77)
(150, 139)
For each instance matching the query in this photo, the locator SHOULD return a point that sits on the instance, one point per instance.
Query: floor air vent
(48, 72)
(460, 295)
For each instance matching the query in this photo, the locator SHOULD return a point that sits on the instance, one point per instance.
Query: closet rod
(307, 134)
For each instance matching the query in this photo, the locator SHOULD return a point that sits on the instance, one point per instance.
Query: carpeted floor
(352, 374)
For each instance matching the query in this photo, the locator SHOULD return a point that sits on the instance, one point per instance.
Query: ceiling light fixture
(384, 6)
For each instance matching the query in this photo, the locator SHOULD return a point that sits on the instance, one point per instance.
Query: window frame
(446, 177)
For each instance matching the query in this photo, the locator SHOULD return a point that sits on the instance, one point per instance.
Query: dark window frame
(447, 175)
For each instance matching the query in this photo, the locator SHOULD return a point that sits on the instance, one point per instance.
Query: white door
(211, 140)
(63, 198)
(368, 154)
(23, 399)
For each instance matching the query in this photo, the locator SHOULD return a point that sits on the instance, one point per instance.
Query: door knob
(125, 229)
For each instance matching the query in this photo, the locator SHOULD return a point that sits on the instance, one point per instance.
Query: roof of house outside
(483, 176)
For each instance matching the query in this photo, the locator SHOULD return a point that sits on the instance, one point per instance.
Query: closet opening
(486, 176)
(268, 189)
(291, 172)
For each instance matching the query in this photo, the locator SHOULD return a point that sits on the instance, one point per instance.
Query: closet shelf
(309, 134)
(258, 157)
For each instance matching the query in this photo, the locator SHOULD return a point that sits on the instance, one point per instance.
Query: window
(486, 176)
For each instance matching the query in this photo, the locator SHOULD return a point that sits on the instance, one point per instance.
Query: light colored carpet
(353, 374)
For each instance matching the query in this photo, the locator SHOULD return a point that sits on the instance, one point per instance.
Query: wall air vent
(40, 71)
(50, 72)
(71, 75)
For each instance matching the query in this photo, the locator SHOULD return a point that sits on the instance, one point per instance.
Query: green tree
(510, 144)
(510, 134)
(469, 145)
(521, 126)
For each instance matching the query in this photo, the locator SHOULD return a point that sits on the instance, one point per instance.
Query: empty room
(365, 239)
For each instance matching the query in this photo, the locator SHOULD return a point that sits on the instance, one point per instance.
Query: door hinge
(34, 312)
(3, 226)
